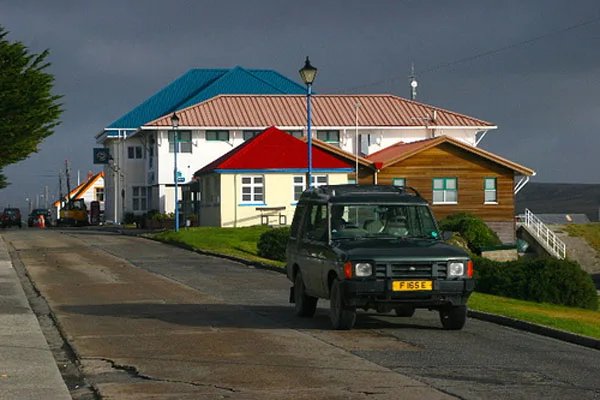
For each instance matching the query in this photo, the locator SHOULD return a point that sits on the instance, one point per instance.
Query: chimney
(90, 174)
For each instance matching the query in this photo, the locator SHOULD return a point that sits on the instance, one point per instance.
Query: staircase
(545, 237)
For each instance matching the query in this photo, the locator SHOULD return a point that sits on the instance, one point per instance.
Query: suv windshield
(382, 221)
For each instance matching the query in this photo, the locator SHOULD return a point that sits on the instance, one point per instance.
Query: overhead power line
(484, 54)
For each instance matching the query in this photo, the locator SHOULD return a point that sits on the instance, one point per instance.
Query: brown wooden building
(453, 176)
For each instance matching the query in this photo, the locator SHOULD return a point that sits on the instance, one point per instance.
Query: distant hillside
(563, 198)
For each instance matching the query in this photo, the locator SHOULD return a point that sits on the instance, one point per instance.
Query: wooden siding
(448, 161)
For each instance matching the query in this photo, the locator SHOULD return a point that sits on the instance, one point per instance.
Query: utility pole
(67, 173)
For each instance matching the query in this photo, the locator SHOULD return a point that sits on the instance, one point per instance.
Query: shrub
(472, 229)
(272, 243)
(543, 280)
(130, 218)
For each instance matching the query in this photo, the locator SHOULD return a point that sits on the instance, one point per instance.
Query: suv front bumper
(363, 293)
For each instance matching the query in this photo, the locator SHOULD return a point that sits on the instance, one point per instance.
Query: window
(184, 139)
(399, 181)
(135, 152)
(296, 134)
(331, 137)
(489, 188)
(253, 189)
(99, 195)
(300, 186)
(316, 223)
(217, 136)
(250, 134)
(445, 191)
(138, 198)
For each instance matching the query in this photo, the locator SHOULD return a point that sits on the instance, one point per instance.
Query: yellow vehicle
(74, 213)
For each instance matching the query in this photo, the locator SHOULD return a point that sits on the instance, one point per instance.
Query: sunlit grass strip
(234, 242)
(574, 320)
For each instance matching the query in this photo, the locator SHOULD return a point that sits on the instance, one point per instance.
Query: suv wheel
(405, 311)
(454, 317)
(342, 318)
(304, 305)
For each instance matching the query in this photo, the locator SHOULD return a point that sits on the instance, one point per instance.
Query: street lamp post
(308, 73)
(175, 125)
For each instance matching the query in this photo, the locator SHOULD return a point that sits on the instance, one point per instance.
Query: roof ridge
(439, 109)
(263, 81)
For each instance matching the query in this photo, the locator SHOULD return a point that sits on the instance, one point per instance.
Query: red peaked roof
(274, 149)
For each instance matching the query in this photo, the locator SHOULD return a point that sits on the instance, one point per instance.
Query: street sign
(101, 155)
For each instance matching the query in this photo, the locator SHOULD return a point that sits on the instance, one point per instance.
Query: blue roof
(198, 85)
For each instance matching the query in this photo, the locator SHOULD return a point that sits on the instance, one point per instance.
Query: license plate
(398, 286)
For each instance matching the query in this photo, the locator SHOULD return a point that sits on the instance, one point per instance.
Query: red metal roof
(274, 149)
(327, 110)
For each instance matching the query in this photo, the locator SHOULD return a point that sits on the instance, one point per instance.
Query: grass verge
(241, 243)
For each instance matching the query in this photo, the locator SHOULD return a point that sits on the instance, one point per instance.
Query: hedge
(543, 280)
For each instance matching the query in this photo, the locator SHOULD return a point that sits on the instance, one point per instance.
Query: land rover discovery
(374, 247)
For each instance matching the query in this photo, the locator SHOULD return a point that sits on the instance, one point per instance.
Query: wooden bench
(266, 212)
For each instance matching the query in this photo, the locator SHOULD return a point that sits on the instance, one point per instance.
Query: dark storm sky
(532, 67)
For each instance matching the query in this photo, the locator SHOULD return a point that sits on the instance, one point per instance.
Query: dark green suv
(374, 247)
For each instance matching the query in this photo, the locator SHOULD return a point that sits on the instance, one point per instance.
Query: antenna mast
(413, 83)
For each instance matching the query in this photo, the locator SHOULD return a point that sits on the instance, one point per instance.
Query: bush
(543, 280)
(472, 229)
(272, 243)
(130, 218)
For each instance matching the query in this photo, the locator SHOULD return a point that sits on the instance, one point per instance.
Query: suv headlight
(363, 269)
(456, 268)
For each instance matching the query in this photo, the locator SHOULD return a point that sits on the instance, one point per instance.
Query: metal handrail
(548, 238)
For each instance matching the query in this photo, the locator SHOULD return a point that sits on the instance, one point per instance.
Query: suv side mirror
(446, 235)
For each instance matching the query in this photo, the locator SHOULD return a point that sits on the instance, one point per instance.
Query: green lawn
(241, 242)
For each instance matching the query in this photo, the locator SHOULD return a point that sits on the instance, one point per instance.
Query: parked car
(374, 247)
(10, 217)
(35, 214)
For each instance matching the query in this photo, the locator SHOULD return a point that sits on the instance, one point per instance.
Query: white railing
(545, 236)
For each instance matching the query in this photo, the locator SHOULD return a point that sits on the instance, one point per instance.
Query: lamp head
(308, 72)
(174, 120)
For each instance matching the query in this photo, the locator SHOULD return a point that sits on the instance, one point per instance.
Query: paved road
(147, 319)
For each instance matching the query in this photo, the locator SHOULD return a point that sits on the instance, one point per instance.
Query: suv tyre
(342, 318)
(304, 305)
(454, 317)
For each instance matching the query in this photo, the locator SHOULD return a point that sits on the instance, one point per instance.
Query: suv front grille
(416, 270)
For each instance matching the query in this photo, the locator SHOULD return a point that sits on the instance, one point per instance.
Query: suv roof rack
(356, 192)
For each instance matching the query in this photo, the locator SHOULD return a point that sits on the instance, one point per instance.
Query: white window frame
(184, 140)
(299, 184)
(326, 136)
(446, 191)
(139, 200)
(252, 189)
(219, 136)
(99, 194)
(247, 135)
(490, 191)
(399, 181)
